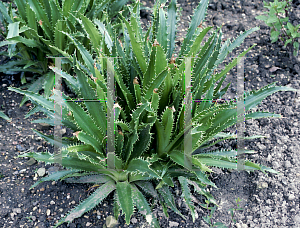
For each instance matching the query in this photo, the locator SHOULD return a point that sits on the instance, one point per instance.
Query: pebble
(31, 161)
(41, 172)
(48, 212)
(20, 148)
(52, 202)
(88, 224)
(17, 210)
(291, 197)
(171, 224)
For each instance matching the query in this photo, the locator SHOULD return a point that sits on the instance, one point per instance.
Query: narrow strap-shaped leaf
(237, 42)
(168, 198)
(147, 187)
(60, 38)
(179, 158)
(139, 165)
(44, 102)
(197, 44)
(92, 201)
(87, 57)
(83, 119)
(92, 141)
(162, 29)
(167, 121)
(125, 198)
(55, 13)
(95, 109)
(53, 177)
(155, 84)
(91, 30)
(2, 115)
(171, 21)
(150, 72)
(136, 47)
(115, 7)
(68, 77)
(21, 4)
(4, 12)
(51, 139)
(42, 17)
(143, 143)
(97, 179)
(187, 195)
(105, 33)
(198, 17)
(142, 205)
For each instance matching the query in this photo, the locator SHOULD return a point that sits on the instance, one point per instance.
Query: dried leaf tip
(172, 108)
(155, 90)
(116, 105)
(76, 133)
(120, 132)
(172, 61)
(135, 81)
(155, 44)
(40, 22)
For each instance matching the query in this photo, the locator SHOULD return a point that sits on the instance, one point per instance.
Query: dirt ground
(268, 200)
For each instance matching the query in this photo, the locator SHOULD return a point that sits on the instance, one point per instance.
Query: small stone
(86, 216)
(20, 148)
(48, 212)
(287, 164)
(73, 202)
(42, 189)
(52, 202)
(291, 197)
(43, 126)
(31, 161)
(33, 209)
(16, 172)
(17, 210)
(33, 218)
(171, 224)
(111, 222)
(53, 183)
(262, 185)
(41, 172)
(134, 220)
(88, 224)
(61, 210)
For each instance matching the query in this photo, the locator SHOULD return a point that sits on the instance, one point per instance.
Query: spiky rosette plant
(149, 114)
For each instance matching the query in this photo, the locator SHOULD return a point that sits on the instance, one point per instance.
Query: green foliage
(275, 18)
(2, 115)
(148, 114)
(34, 30)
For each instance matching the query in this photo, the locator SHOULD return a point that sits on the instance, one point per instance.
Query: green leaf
(136, 47)
(125, 198)
(13, 30)
(41, 17)
(53, 177)
(171, 21)
(168, 198)
(198, 17)
(155, 84)
(92, 201)
(142, 205)
(187, 195)
(2, 115)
